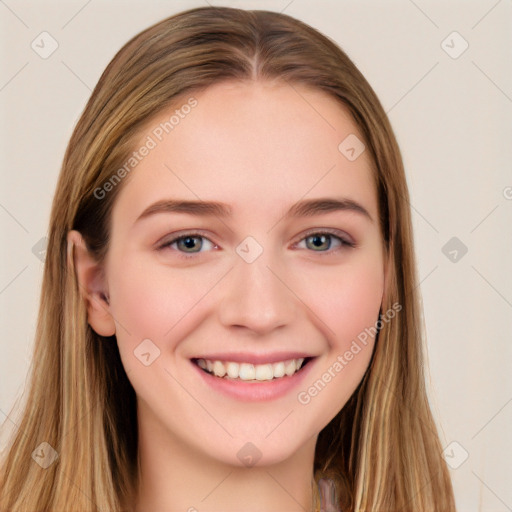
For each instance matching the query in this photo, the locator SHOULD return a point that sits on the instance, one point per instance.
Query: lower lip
(255, 391)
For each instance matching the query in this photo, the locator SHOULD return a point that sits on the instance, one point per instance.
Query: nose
(256, 297)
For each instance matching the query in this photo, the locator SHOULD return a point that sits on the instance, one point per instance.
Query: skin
(258, 147)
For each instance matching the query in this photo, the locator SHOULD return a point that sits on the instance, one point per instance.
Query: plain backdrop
(443, 73)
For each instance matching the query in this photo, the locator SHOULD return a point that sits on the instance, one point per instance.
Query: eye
(189, 243)
(324, 242)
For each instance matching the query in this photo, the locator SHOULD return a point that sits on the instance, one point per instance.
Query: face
(246, 236)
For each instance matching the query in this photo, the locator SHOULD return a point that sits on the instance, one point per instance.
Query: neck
(176, 477)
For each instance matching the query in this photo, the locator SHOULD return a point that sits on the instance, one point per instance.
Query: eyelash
(343, 241)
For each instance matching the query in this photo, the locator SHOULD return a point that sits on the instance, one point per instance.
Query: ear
(92, 285)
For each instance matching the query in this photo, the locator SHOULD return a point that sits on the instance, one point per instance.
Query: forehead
(258, 146)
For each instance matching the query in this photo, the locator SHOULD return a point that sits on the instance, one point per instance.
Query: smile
(252, 372)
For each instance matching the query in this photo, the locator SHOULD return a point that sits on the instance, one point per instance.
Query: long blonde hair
(382, 450)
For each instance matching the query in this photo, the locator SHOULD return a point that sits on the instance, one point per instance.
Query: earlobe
(92, 285)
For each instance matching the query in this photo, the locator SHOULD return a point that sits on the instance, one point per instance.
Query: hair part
(382, 450)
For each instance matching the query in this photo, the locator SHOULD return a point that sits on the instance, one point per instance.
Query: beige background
(452, 117)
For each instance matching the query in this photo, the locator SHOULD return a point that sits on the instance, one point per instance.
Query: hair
(382, 450)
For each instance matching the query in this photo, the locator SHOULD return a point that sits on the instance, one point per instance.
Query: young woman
(230, 317)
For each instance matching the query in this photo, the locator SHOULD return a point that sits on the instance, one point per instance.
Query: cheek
(346, 300)
(353, 313)
(355, 305)
(347, 304)
(137, 302)
(153, 301)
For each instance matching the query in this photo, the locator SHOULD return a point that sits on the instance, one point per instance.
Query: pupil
(320, 241)
(189, 242)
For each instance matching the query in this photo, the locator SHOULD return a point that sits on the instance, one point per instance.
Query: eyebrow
(304, 208)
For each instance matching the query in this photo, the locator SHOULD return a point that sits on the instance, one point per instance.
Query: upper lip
(253, 358)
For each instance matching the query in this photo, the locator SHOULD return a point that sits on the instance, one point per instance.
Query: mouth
(249, 372)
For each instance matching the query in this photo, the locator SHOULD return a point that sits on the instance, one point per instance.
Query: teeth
(264, 372)
(278, 369)
(290, 368)
(232, 369)
(248, 371)
(219, 369)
